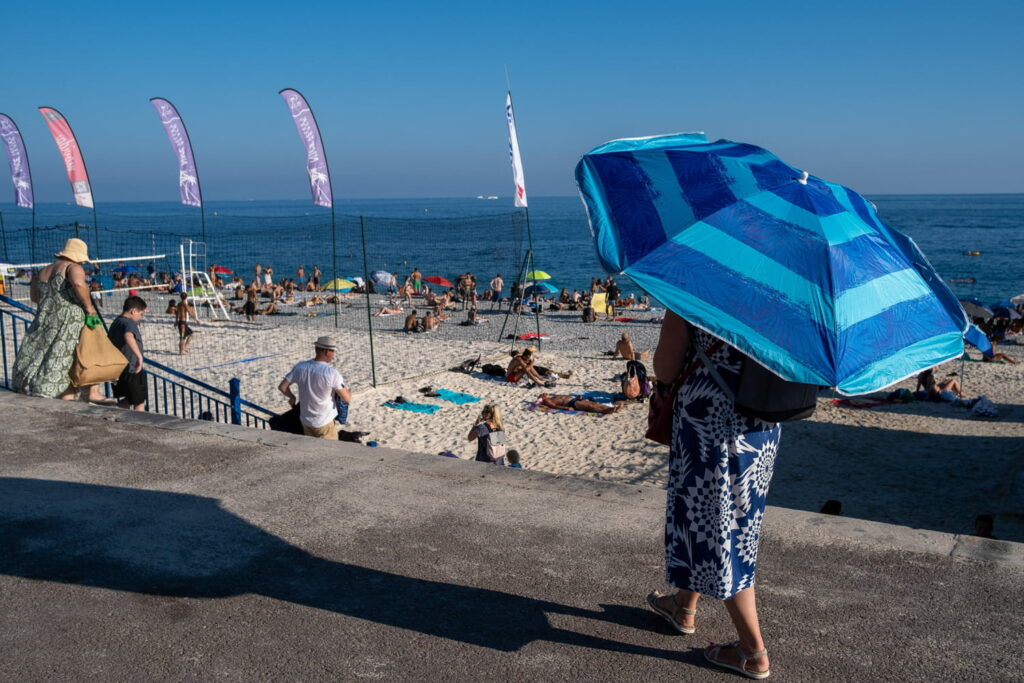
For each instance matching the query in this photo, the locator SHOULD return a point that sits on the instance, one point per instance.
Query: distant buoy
(972, 253)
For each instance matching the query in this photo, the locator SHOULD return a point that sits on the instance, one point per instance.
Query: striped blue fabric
(799, 273)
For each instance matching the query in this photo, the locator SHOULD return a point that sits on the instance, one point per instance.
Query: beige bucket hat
(74, 250)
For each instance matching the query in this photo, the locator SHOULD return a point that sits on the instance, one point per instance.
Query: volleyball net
(363, 280)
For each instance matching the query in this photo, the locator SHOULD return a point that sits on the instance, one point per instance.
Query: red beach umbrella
(223, 271)
(438, 280)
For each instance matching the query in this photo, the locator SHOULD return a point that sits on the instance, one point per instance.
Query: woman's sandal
(670, 617)
(712, 651)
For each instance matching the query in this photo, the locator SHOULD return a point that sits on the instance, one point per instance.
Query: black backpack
(763, 395)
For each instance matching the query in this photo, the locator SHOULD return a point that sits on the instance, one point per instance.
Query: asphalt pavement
(143, 547)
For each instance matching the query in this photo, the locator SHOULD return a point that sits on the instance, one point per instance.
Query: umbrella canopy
(977, 339)
(976, 310)
(199, 291)
(540, 288)
(537, 275)
(339, 285)
(1008, 313)
(438, 280)
(1017, 300)
(223, 271)
(381, 278)
(798, 273)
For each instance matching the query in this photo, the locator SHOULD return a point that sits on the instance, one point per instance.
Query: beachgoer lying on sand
(994, 357)
(438, 311)
(946, 390)
(270, 309)
(388, 310)
(565, 402)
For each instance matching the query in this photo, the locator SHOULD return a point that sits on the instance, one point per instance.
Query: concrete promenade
(142, 547)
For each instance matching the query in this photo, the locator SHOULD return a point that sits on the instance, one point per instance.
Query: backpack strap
(713, 369)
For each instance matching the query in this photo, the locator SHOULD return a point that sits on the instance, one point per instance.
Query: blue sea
(966, 237)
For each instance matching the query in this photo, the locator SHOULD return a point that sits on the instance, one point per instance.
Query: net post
(235, 391)
(95, 232)
(366, 289)
(334, 262)
(33, 233)
(3, 231)
(533, 264)
(511, 299)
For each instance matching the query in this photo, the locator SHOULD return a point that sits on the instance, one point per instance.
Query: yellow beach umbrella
(338, 285)
(537, 275)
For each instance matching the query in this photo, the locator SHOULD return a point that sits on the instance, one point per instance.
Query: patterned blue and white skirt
(720, 466)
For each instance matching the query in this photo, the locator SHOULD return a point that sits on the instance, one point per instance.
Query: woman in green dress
(62, 303)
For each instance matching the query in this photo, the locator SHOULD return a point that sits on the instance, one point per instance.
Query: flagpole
(526, 208)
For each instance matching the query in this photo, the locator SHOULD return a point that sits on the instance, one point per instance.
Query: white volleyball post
(190, 276)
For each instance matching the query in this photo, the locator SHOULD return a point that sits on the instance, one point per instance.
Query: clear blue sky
(904, 97)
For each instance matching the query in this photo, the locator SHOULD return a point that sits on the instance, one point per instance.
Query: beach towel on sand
(413, 407)
(456, 397)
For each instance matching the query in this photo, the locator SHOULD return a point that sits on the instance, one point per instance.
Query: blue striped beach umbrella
(799, 273)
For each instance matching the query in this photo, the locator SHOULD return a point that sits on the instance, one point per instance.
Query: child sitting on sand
(512, 458)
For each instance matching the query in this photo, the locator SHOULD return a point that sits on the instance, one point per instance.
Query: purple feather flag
(316, 160)
(21, 176)
(188, 176)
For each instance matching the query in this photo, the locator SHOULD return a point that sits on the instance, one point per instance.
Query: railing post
(235, 389)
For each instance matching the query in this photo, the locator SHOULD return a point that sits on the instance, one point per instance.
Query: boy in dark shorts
(181, 317)
(124, 333)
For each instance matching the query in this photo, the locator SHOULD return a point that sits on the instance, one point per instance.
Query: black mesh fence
(358, 279)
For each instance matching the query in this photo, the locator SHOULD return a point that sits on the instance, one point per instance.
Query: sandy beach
(927, 465)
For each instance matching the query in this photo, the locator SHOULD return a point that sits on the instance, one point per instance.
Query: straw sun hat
(74, 250)
(326, 343)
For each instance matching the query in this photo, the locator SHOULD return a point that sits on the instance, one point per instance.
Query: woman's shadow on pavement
(180, 545)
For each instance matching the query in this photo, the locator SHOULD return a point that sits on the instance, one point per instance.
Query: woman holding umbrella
(720, 465)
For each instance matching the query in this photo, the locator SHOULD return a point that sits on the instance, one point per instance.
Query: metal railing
(170, 392)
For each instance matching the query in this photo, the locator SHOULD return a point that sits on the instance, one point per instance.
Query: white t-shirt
(317, 382)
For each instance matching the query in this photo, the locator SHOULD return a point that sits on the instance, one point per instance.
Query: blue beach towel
(602, 397)
(413, 407)
(456, 397)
